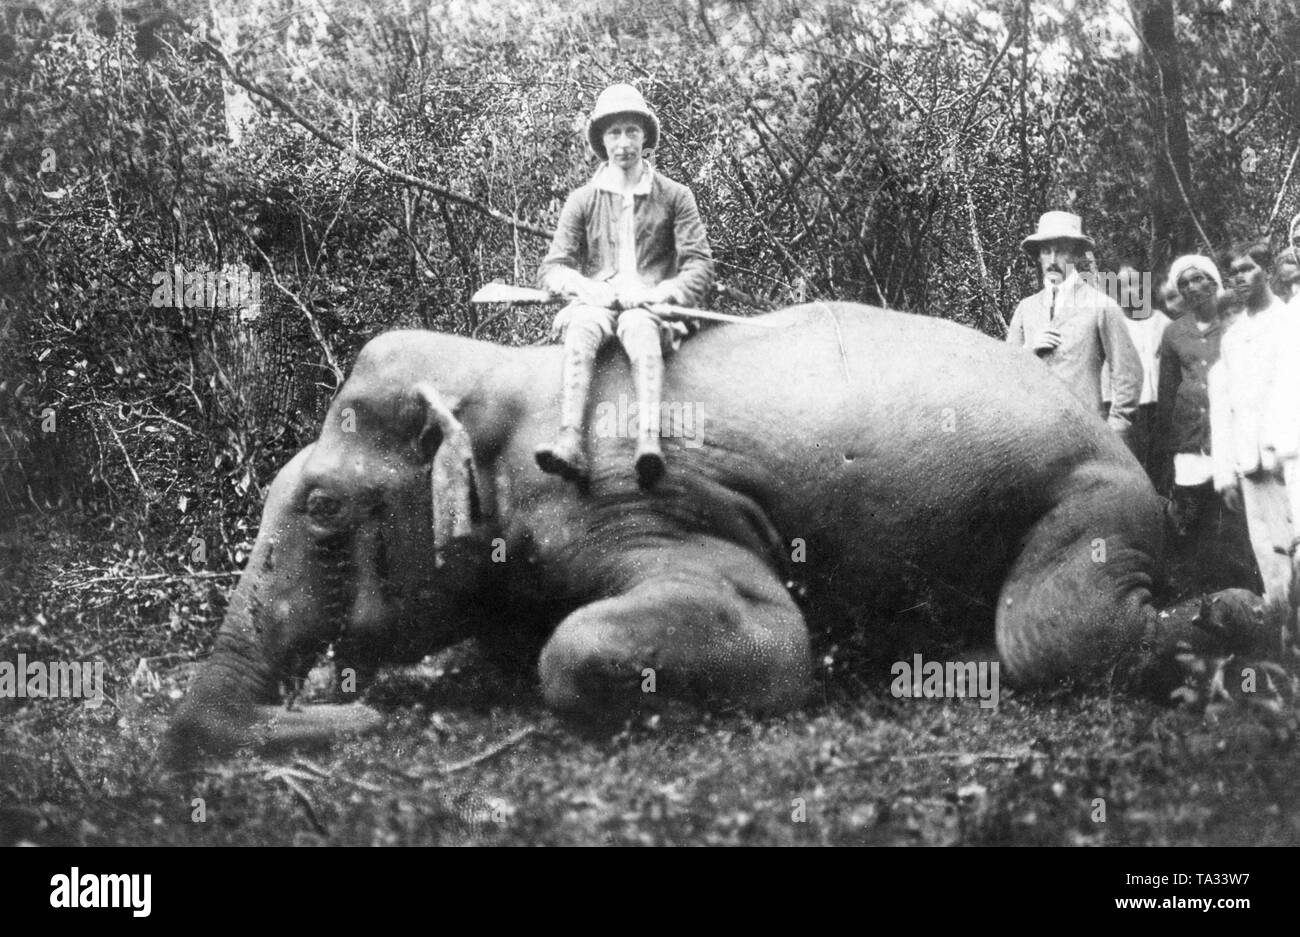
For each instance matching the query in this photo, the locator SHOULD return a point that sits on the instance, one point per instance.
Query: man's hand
(1045, 341)
(560, 323)
(1268, 461)
(632, 296)
(1232, 498)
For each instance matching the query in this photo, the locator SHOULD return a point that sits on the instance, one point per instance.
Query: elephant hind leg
(708, 624)
(1077, 602)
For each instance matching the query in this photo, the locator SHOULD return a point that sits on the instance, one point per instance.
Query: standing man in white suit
(1074, 328)
(1245, 413)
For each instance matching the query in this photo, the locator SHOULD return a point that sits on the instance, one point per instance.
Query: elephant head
(373, 538)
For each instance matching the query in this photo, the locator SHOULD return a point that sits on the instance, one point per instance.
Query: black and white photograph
(651, 423)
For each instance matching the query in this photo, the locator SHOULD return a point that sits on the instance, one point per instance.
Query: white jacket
(1282, 416)
(1243, 405)
(1146, 334)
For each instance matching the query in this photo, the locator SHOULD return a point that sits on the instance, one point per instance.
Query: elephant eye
(323, 509)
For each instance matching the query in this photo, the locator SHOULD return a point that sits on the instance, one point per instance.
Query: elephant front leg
(706, 624)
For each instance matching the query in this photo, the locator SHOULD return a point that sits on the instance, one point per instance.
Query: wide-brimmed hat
(615, 101)
(1058, 225)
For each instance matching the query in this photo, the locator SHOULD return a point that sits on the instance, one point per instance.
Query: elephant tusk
(453, 477)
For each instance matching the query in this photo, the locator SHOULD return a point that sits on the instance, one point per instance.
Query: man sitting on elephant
(629, 238)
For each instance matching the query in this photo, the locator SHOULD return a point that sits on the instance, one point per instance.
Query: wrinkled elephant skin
(852, 452)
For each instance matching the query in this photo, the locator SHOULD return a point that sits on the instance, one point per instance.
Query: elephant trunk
(230, 690)
(280, 617)
(233, 702)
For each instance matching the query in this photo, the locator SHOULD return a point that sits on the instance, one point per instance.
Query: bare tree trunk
(1173, 227)
(1026, 210)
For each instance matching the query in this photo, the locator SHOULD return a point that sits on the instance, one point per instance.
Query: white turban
(1194, 262)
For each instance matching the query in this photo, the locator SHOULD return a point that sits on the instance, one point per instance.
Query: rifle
(505, 293)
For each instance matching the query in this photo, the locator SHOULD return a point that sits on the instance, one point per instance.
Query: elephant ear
(453, 475)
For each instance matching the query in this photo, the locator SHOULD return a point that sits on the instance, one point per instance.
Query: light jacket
(1092, 331)
(1282, 415)
(1145, 335)
(671, 244)
(1241, 392)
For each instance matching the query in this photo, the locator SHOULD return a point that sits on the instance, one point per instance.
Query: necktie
(1051, 310)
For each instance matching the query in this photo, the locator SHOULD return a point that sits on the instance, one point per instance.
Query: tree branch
(787, 259)
(118, 439)
(307, 313)
(1169, 156)
(979, 258)
(1281, 191)
(1251, 110)
(1164, 121)
(983, 85)
(406, 178)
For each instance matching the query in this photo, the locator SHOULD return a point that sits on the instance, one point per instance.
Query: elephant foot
(650, 463)
(564, 457)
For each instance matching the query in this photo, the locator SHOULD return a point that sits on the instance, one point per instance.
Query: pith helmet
(614, 101)
(1057, 225)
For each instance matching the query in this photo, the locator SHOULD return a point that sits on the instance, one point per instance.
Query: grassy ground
(470, 755)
